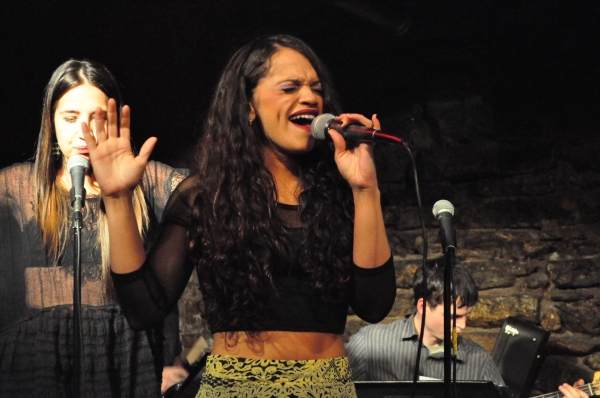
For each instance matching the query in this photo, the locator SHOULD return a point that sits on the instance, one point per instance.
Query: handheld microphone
(77, 166)
(443, 211)
(352, 132)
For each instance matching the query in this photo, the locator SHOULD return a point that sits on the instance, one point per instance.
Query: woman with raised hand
(36, 256)
(284, 232)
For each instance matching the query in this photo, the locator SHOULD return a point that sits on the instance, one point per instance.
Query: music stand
(429, 389)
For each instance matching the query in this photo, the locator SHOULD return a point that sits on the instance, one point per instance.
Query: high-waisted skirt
(228, 376)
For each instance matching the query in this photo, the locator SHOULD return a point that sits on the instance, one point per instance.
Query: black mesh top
(148, 293)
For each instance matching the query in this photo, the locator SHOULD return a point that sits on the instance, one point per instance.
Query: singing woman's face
(286, 101)
(76, 106)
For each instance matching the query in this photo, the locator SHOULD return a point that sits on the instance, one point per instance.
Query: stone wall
(527, 222)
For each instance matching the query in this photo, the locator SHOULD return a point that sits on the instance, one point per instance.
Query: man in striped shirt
(389, 351)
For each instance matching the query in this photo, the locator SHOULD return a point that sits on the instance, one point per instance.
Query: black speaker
(518, 353)
(428, 389)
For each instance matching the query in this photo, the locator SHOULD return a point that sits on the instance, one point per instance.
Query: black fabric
(36, 311)
(150, 292)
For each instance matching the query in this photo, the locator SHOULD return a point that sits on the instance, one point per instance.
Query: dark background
(524, 58)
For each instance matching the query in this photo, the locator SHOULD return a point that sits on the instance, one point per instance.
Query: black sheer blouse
(148, 294)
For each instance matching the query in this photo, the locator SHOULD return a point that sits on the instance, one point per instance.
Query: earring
(251, 119)
(56, 152)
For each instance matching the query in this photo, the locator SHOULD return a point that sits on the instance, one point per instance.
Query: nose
(80, 130)
(461, 324)
(308, 96)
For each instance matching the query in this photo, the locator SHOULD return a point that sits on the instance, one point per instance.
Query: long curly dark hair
(236, 237)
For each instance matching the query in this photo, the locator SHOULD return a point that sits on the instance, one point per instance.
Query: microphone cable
(424, 268)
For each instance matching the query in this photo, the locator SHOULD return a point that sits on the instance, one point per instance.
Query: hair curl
(236, 237)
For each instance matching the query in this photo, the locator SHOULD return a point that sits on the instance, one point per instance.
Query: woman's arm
(355, 162)
(373, 282)
(147, 287)
(118, 171)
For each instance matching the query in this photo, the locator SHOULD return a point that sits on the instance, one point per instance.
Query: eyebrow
(298, 81)
(104, 111)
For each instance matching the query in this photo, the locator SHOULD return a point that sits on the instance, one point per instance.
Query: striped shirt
(385, 352)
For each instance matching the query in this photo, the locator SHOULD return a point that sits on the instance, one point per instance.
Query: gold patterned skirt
(228, 376)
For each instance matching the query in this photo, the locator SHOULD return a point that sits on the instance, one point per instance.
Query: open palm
(116, 169)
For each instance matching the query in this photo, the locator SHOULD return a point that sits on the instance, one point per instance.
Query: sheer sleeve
(148, 294)
(373, 291)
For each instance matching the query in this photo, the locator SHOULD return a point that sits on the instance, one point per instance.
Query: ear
(420, 304)
(252, 114)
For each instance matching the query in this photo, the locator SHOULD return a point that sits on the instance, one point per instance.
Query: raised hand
(116, 169)
(355, 160)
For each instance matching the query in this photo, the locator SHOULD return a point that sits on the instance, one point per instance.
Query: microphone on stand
(443, 211)
(77, 166)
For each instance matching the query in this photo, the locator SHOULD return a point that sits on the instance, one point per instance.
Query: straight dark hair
(51, 203)
(464, 285)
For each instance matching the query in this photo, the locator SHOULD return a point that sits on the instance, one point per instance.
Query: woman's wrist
(371, 194)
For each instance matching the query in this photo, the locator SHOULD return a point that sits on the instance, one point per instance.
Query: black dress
(36, 303)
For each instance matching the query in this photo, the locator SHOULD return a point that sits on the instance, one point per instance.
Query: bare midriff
(279, 345)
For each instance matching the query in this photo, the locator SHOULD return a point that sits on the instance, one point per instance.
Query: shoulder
(158, 173)
(188, 188)
(470, 344)
(472, 349)
(155, 167)
(186, 191)
(18, 172)
(17, 169)
(380, 330)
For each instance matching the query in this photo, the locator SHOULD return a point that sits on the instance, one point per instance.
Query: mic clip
(78, 203)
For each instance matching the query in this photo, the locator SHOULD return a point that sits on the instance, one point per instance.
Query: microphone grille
(319, 126)
(78, 160)
(441, 206)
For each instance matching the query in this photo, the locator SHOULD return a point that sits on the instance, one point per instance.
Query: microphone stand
(443, 211)
(78, 360)
(449, 263)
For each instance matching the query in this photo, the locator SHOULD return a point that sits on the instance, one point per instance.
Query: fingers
(348, 118)
(146, 149)
(571, 392)
(172, 375)
(108, 126)
(338, 141)
(114, 128)
(87, 136)
(125, 129)
(112, 118)
(376, 124)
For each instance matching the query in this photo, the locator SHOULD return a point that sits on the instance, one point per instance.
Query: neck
(285, 172)
(89, 183)
(428, 339)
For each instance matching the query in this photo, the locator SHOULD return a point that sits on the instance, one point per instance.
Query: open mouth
(302, 120)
